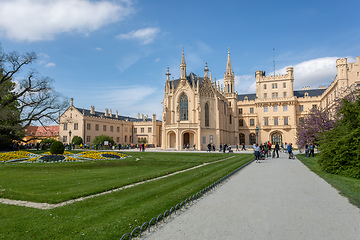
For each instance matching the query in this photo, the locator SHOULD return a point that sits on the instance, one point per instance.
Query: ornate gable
(206, 89)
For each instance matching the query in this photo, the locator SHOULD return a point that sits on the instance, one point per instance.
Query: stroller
(262, 155)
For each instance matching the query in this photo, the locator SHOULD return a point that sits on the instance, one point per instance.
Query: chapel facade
(198, 112)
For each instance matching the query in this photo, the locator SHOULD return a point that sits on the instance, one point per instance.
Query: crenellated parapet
(261, 77)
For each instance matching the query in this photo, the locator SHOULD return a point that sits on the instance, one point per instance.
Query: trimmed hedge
(57, 148)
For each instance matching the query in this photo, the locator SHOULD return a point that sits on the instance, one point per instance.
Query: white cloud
(145, 35)
(50, 64)
(44, 60)
(35, 20)
(127, 61)
(315, 72)
(98, 49)
(243, 84)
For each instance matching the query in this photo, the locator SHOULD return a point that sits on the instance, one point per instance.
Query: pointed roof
(228, 65)
(183, 58)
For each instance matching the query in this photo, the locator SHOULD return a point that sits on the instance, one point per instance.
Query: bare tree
(33, 96)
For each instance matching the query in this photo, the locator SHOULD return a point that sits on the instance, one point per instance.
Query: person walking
(209, 147)
(289, 149)
(224, 148)
(312, 150)
(257, 153)
(306, 150)
(277, 148)
(266, 148)
(243, 147)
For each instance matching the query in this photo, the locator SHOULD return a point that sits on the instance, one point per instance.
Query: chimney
(71, 102)
(117, 114)
(92, 111)
(142, 116)
(110, 113)
(138, 116)
(106, 112)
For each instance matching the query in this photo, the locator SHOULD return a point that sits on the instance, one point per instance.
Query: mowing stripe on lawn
(46, 206)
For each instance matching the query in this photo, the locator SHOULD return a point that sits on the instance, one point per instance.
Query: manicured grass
(348, 187)
(110, 216)
(58, 182)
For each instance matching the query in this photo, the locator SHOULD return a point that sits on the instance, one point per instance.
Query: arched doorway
(276, 138)
(172, 140)
(186, 139)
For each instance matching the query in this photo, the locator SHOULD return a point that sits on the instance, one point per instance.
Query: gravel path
(276, 199)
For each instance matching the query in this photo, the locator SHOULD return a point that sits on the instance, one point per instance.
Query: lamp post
(257, 134)
(69, 140)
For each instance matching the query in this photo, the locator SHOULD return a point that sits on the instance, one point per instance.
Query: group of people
(309, 150)
(263, 151)
(222, 148)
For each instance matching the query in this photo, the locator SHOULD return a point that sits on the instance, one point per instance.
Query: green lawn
(108, 216)
(348, 187)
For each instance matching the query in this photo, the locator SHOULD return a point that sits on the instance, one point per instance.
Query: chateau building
(89, 124)
(197, 111)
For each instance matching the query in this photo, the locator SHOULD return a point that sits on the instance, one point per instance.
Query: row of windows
(241, 122)
(88, 139)
(276, 121)
(142, 130)
(275, 108)
(252, 138)
(241, 110)
(97, 127)
(266, 121)
(274, 85)
(275, 95)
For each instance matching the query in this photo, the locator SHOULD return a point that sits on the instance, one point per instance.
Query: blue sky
(114, 53)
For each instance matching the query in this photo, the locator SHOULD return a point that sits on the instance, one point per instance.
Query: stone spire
(183, 66)
(229, 70)
(168, 75)
(229, 79)
(206, 71)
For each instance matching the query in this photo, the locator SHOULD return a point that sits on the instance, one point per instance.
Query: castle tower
(183, 67)
(342, 72)
(229, 77)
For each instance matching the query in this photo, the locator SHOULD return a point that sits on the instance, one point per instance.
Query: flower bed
(24, 156)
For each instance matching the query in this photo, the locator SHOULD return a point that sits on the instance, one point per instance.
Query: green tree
(10, 128)
(25, 100)
(340, 147)
(77, 140)
(102, 138)
(142, 141)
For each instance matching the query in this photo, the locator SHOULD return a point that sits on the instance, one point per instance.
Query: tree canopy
(102, 138)
(309, 130)
(77, 140)
(25, 100)
(340, 147)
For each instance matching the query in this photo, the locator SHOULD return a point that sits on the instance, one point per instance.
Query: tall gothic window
(183, 108)
(207, 121)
